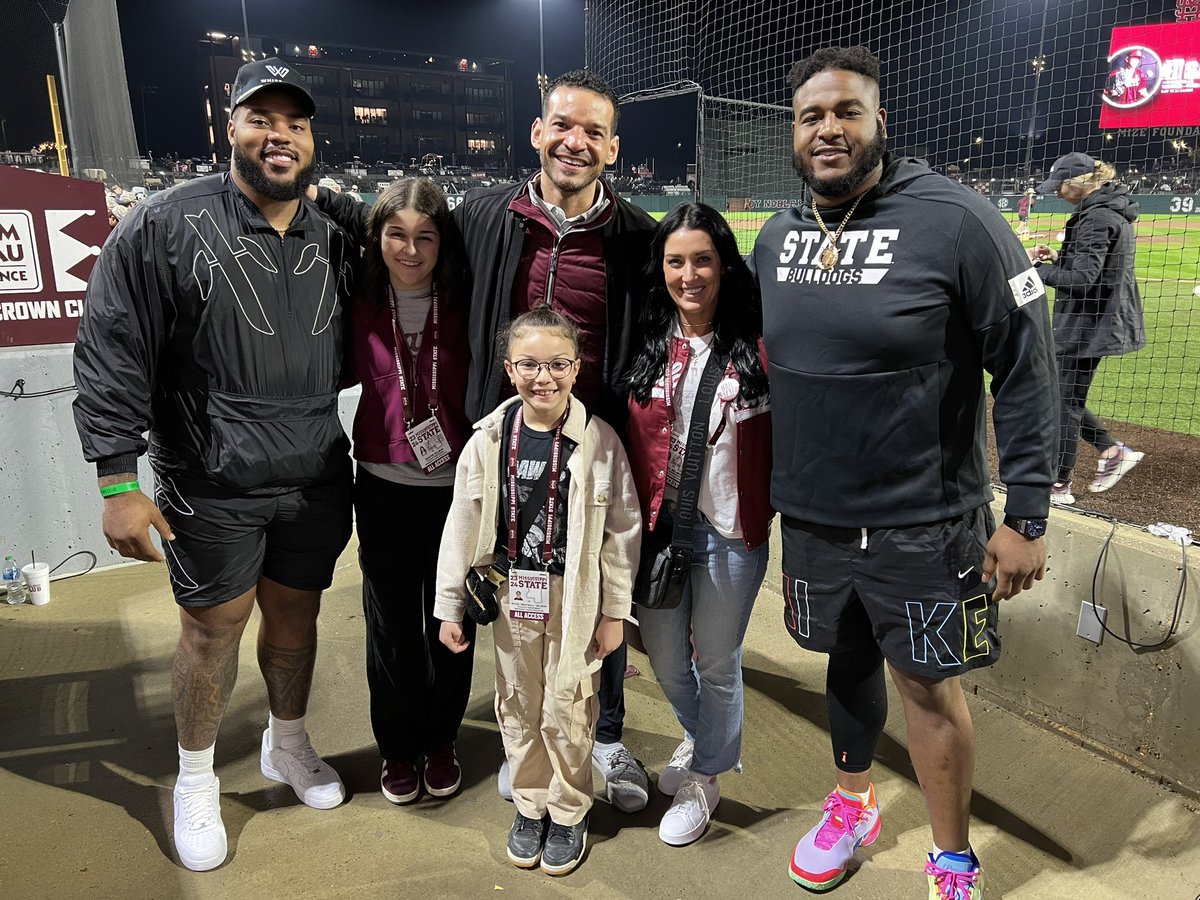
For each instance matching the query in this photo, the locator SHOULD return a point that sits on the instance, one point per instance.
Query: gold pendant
(828, 258)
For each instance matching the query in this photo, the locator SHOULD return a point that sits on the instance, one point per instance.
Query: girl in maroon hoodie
(409, 351)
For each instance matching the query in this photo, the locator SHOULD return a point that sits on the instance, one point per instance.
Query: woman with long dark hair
(702, 301)
(410, 353)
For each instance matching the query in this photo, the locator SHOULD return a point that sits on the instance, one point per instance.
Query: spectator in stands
(1097, 308)
(877, 338)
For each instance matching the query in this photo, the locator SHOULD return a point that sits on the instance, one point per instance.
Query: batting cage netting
(989, 94)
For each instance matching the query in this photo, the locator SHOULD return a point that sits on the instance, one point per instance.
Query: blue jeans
(707, 694)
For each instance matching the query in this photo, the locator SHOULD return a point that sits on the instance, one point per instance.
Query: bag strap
(694, 455)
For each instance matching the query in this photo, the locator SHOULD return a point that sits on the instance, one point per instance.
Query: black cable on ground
(91, 566)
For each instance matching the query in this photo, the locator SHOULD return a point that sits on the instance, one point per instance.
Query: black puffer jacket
(222, 338)
(1097, 307)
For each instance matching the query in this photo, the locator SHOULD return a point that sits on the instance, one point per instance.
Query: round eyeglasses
(529, 369)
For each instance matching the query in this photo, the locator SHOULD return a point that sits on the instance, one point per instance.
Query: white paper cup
(37, 579)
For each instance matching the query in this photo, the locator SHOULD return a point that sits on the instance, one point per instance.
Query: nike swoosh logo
(965, 572)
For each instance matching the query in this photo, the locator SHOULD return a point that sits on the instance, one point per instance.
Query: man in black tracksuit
(884, 300)
(214, 320)
(564, 239)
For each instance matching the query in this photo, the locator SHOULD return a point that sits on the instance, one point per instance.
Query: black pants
(612, 697)
(419, 689)
(1075, 374)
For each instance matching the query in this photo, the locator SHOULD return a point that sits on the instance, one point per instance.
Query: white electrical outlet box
(1091, 622)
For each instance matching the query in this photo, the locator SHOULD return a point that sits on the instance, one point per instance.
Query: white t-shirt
(718, 499)
(412, 310)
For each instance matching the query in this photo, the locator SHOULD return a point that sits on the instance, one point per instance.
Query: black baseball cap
(272, 74)
(1070, 166)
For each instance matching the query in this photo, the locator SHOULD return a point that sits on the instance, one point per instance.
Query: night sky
(160, 44)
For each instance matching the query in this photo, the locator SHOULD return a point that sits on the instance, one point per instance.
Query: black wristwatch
(1030, 529)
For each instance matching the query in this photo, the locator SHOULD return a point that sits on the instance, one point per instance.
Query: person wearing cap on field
(214, 321)
(1097, 308)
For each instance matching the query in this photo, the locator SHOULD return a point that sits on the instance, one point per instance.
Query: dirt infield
(1165, 486)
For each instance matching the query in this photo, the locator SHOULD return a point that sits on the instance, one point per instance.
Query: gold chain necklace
(829, 256)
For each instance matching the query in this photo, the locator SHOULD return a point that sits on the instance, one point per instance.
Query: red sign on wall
(1153, 77)
(51, 230)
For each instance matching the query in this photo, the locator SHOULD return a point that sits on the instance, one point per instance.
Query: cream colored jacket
(604, 531)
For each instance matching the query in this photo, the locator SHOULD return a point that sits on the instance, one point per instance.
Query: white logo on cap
(278, 71)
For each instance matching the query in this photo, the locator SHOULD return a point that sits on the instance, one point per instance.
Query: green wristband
(113, 489)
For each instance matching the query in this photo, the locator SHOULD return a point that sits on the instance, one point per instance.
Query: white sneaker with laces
(626, 784)
(199, 832)
(677, 769)
(691, 810)
(315, 783)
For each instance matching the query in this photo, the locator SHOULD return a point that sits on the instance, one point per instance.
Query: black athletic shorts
(225, 541)
(915, 592)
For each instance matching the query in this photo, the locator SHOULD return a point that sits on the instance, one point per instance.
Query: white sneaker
(504, 781)
(681, 763)
(199, 832)
(314, 782)
(626, 784)
(690, 811)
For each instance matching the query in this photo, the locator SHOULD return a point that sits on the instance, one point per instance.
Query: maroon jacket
(379, 431)
(650, 443)
(567, 272)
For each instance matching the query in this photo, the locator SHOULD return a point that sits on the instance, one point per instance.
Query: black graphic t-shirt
(533, 463)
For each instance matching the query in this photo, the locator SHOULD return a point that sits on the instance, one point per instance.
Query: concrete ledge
(1139, 707)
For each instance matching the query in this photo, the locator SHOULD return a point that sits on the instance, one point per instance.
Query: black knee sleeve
(856, 698)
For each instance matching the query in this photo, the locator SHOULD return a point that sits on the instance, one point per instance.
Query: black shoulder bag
(667, 551)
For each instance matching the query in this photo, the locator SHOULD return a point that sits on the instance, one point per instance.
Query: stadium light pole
(543, 81)
(1039, 66)
(245, 28)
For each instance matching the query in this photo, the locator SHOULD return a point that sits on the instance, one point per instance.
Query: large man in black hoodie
(884, 300)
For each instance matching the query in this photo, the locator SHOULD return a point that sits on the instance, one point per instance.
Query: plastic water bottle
(14, 582)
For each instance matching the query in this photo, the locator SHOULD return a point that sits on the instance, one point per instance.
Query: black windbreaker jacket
(1097, 307)
(224, 340)
(876, 366)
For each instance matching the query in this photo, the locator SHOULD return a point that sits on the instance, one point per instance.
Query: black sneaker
(525, 840)
(564, 847)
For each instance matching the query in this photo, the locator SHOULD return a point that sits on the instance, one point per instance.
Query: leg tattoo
(288, 672)
(201, 685)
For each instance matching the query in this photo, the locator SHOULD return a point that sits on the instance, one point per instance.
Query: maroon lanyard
(514, 443)
(681, 353)
(405, 360)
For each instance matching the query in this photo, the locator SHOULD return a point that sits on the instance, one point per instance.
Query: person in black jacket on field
(214, 321)
(1097, 308)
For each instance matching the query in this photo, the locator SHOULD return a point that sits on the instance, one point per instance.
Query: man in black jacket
(884, 300)
(214, 321)
(564, 239)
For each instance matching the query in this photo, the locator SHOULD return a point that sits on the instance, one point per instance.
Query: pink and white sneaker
(822, 856)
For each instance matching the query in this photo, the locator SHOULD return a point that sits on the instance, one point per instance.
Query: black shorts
(225, 541)
(914, 592)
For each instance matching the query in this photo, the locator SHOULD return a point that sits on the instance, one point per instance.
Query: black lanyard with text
(553, 469)
(403, 356)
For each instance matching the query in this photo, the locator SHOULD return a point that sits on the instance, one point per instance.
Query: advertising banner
(1153, 77)
(51, 230)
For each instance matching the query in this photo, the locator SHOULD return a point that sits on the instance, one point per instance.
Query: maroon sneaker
(442, 774)
(399, 781)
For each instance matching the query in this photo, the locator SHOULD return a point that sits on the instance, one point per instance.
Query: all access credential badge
(429, 443)
(529, 595)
